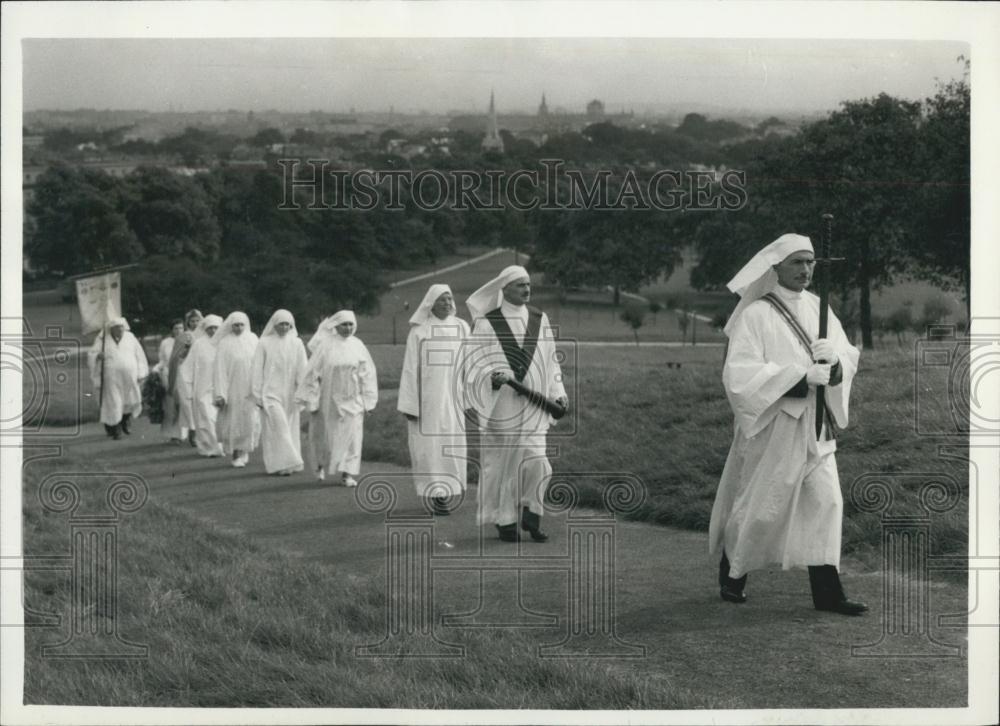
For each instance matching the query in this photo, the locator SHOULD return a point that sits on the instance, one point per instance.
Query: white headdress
(327, 330)
(423, 311)
(489, 296)
(757, 278)
(207, 322)
(280, 316)
(226, 329)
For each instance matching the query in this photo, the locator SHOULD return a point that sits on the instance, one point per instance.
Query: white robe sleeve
(93, 364)
(257, 368)
(139, 353)
(409, 380)
(554, 387)
(308, 391)
(368, 379)
(838, 397)
(220, 372)
(753, 384)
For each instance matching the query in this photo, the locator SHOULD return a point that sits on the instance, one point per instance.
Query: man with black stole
(512, 343)
(779, 500)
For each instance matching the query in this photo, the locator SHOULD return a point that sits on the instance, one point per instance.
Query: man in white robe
(117, 365)
(432, 398)
(779, 500)
(340, 386)
(199, 367)
(511, 340)
(279, 366)
(238, 425)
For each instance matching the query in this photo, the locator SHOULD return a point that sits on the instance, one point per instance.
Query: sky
(449, 74)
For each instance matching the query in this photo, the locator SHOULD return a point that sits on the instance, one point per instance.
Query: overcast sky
(439, 75)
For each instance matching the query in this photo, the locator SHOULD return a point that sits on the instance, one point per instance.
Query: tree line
(894, 173)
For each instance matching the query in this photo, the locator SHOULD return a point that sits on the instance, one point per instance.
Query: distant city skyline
(441, 76)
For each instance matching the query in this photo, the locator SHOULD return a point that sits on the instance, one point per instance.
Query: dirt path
(773, 652)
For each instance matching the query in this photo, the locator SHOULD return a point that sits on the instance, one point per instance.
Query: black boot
(109, 430)
(507, 532)
(440, 506)
(532, 524)
(731, 590)
(828, 593)
(191, 440)
(126, 421)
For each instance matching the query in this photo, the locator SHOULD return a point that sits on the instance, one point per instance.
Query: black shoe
(191, 438)
(109, 430)
(508, 532)
(439, 505)
(532, 523)
(116, 434)
(844, 607)
(733, 592)
(126, 421)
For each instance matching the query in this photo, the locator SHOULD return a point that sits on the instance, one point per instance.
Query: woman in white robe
(431, 397)
(339, 388)
(279, 366)
(199, 368)
(117, 381)
(238, 425)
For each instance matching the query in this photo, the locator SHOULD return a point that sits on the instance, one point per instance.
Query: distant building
(492, 141)
(543, 108)
(595, 109)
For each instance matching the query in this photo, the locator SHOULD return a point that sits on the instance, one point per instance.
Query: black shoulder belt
(518, 356)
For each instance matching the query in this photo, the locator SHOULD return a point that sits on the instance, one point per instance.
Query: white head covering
(207, 322)
(226, 328)
(327, 330)
(757, 278)
(490, 295)
(280, 316)
(118, 320)
(423, 311)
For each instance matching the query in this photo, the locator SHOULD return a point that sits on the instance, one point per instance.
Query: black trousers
(824, 582)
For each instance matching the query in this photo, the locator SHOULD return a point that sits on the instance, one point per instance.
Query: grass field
(232, 624)
(672, 427)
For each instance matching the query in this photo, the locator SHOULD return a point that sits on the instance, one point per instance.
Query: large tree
(79, 222)
(859, 165)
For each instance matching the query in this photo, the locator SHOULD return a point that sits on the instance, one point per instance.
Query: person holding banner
(779, 499)
(238, 424)
(199, 368)
(513, 347)
(279, 366)
(117, 366)
(432, 398)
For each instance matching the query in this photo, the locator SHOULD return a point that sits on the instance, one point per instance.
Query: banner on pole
(100, 298)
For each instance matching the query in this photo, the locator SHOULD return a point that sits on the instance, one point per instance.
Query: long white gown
(779, 499)
(199, 367)
(238, 424)
(432, 388)
(279, 366)
(341, 384)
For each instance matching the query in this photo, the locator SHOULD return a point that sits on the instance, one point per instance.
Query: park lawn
(229, 623)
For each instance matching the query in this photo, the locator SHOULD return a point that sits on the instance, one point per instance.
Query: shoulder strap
(518, 358)
(803, 337)
(789, 317)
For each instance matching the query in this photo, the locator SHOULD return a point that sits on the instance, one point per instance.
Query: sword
(555, 410)
(823, 280)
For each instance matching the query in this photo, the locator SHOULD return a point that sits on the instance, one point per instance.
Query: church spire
(492, 140)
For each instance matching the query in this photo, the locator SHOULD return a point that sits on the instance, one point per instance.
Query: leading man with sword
(788, 379)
